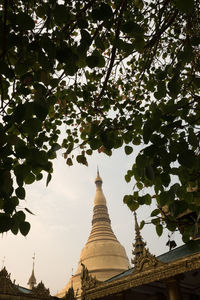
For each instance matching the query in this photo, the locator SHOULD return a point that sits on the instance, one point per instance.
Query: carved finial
(139, 244)
(142, 256)
(137, 228)
(87, 280)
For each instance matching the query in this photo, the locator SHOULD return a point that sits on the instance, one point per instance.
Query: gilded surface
(145, 260)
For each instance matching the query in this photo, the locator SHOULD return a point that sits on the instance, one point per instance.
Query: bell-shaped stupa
(103, 255)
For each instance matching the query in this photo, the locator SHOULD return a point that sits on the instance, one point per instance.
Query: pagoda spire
(32, 280)
(99, 198)
(142, 257)
(3, 262)
(98, 171)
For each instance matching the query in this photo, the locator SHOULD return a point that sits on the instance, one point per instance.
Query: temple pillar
(173, 289)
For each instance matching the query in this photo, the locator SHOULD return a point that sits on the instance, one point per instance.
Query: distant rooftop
(24, 290)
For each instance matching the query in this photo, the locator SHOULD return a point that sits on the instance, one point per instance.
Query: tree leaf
(24, 21)
(48, 178)
(20, 192)
(30, 212)
(187, 159)
(142, 223)
(159, 229)
(69, 162)
(147, 132)
(128, 150)
(29, 179)
(155, 212)
(184, 6)
(24, 228)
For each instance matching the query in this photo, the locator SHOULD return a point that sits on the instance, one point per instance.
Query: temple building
(9, 290)
(102, 254)
(174, 275)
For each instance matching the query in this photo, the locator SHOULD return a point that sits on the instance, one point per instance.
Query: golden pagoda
(102, 254)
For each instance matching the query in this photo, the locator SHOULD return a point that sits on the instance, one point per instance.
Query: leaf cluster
(113, 74)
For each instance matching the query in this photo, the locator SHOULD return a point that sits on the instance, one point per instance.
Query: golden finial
(137, 228)
(3, 262)
(33, 258)
(98, 179)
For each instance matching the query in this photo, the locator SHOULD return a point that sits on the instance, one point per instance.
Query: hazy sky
(62, 221)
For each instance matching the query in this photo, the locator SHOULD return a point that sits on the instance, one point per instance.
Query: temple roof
(167, 257)
(179, 252)
(24, 290)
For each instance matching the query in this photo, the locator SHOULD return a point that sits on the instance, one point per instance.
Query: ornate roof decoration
(161, 272)
(32, 280)
(142, 257)
(70, 294)
(41, 291)
(87, 281)
(6, 285)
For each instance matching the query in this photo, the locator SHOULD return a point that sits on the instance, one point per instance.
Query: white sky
(63, 220)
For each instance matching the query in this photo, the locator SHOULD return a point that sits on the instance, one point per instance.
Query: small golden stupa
(32, 280)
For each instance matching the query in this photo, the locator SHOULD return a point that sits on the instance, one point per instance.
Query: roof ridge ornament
(6, 285)
(87, 280)
(143, 259)
(41, 291)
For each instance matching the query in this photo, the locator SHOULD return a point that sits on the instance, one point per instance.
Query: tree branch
(113, 53)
